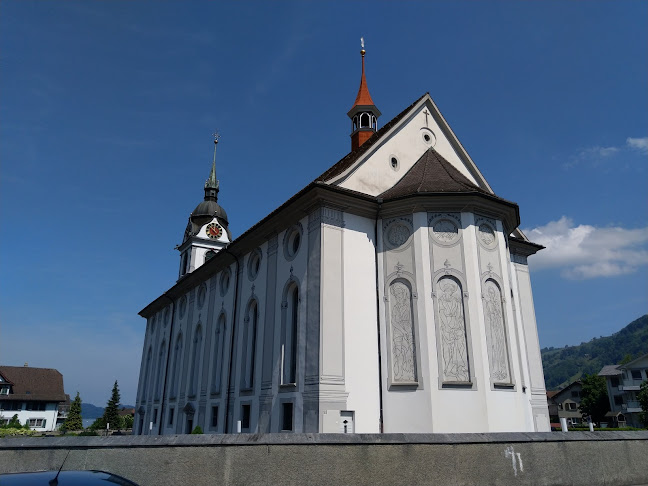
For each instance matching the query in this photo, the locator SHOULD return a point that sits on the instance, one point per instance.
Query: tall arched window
(176, 367)
(209, 254)
(146, 386)
(158, 375)
(249, 344)
(364, 120)
(195, 362)
(219, 341)
(289, 337)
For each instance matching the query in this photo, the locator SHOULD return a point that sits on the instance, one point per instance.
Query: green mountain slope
(564, 365)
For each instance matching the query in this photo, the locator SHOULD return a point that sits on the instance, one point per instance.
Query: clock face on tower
(214, 230)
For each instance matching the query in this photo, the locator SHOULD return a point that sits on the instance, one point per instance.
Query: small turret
(364, 113)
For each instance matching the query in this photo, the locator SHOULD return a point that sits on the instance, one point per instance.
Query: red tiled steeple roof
(363, 98)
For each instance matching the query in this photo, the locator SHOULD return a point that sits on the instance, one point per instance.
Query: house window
(571, 406)
(37, 422)
(214, 417)
(11, 406)
(287, 416)
(36, 406)
(176, 367)
(636, 374)
(155, 415)
(245, 417)
(618, 399)
(614, 381)
(171, 412)
(4, 390)
(575, 394)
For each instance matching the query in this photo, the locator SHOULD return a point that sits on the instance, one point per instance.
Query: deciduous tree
(642, 396)
(594, 397)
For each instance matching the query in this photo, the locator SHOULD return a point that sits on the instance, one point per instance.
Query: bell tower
(207, 231)
(364, 114)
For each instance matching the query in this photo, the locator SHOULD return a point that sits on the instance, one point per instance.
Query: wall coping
(207, 440)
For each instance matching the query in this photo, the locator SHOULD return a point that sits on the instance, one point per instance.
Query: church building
(391, 294)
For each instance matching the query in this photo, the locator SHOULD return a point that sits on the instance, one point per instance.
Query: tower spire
(364, 113)
(212, 184)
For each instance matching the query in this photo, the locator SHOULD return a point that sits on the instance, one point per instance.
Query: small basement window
(214, 417)
(245, 417)
(287, 417)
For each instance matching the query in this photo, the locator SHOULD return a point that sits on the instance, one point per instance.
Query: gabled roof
(348, 160)
(37, 384)
(610, 370)
(630, 364)
(431, 174)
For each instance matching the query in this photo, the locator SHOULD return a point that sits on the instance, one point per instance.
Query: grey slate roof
(34, 384)
(610, 370)
(431, 174)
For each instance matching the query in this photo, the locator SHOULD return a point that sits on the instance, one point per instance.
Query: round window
(202, 294)
(254, 264)
(292, 241)
(224, 282)
(428, 137)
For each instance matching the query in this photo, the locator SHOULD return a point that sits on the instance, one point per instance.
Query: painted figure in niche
(402, 333)
(495, 325)
(453, 333)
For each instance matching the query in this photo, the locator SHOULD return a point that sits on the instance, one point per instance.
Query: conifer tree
(111, 413)
(74, 420)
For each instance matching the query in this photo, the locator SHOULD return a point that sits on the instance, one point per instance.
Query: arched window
(219, 341)
(158, 375)
(249, 345)
(183, 264)
(176, 367)
(209, 255)
(364, 120)
(289, 337)
(195, 362)
(146, 386)
(355, 123)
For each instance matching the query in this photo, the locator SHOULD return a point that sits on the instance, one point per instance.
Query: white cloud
(640, 144)
(586, 251)
(596, 156)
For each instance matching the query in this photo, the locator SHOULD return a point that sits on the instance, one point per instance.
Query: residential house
(34, 394)
(566, 403)
(623, 384)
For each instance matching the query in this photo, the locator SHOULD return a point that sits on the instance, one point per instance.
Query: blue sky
(107, 111)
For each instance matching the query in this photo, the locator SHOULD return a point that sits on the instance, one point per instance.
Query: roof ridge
(443, 162)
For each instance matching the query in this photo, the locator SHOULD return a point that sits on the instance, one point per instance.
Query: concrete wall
(573, 458)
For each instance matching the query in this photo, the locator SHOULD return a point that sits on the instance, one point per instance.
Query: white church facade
(391, 294)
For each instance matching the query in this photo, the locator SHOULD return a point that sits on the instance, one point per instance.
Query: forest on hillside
(564, 365)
